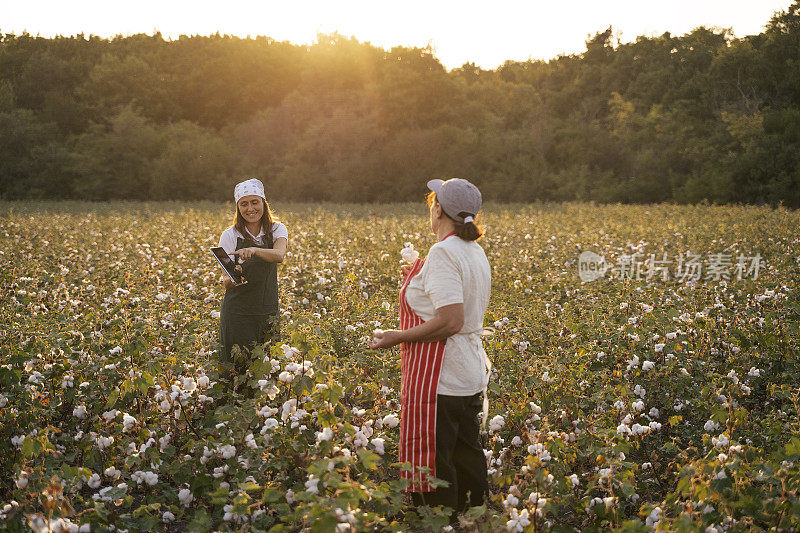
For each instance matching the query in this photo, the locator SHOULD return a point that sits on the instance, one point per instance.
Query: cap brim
(435, 185)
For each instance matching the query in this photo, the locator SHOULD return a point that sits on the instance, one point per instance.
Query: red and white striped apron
(420, 365)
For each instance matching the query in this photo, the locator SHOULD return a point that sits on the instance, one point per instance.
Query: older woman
(249, 312)
(444, 367)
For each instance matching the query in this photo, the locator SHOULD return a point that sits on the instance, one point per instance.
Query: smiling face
(251, 208)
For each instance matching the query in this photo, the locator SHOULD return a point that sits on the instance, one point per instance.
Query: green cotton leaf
(369, 459)
(112, 399)
(200, 522)
(793, 446)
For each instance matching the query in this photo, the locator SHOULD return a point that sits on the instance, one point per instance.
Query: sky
(483, 32)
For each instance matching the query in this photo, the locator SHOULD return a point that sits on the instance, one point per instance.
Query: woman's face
(251, 208)
(435, 215)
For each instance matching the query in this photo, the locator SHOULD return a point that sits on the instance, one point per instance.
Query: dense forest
(703, 116)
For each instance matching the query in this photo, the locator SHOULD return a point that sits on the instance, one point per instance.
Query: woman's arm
(448, 321)
(270, 255)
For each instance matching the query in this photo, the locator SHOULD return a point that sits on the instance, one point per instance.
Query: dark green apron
(249, 312)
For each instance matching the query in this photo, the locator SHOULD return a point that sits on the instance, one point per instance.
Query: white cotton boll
(516, 441)
(535, 408)
(655, 426)
(80, 412)
(112, 473)
(496, 423)
(227, 451)
(659, 347)
(22, 480)
(654, 412)
(510, 501)
(638, 405)
(710, 426)
(250, 441)
(721, 441)
(573, 478)
(311, 484)
(116, 350)
(203, 381)
(639, 391)
(286, 377)
(623, 429)
(754, 372)
(378, 443)
(648, 365)
(672, 335)
(325, 435)
(654, 517)
(167, 517)
(185, 496)
(290, 496)
(390, 420)
(269, 424)
(189, 384)
(215, 314)
(127, 422)
(94, 481)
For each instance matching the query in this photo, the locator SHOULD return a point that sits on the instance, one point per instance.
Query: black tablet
(227, 265)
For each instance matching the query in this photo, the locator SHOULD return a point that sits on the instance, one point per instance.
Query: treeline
(703, 116)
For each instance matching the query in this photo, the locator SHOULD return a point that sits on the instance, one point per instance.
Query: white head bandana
(249, 187)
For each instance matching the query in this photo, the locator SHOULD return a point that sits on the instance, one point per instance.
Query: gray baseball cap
(458, 197)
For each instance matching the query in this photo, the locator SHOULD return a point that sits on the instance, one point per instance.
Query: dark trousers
(459, 455)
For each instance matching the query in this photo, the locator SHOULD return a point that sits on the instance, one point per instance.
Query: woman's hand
(404, 270)
(246, 253)
(385, 339)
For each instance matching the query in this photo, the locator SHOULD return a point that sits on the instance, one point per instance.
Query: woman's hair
(469, 231)
(267, 219)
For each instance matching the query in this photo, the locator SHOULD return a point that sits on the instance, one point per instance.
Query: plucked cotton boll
(185, 496)
(390, 420)
(408, 253)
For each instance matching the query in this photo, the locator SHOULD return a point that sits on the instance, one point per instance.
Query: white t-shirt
(456, 271)
(227, 241)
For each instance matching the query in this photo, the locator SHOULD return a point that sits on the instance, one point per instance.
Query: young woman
(444, 298)
(249, 312)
